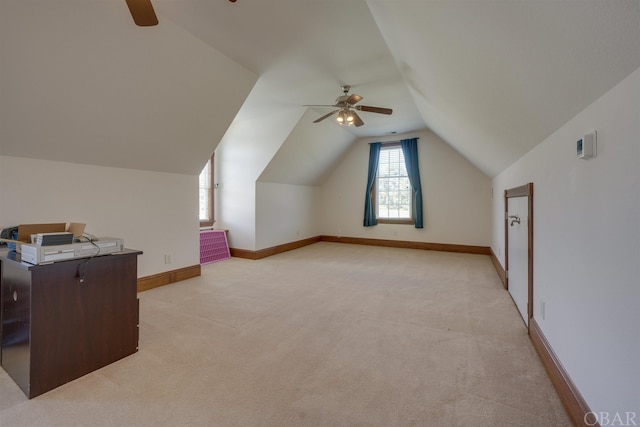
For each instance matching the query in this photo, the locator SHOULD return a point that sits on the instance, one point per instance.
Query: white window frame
(206, 194)
(376, 191)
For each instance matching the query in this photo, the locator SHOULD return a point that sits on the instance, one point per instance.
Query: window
(206, 195)
(393, 194)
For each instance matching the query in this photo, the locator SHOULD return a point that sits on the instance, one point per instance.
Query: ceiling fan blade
(357, 121)
(325, 116)
(378, 110)
(353, 99)
(142, 12)
(316, 105)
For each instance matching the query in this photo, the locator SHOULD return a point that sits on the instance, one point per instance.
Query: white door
(518, 239)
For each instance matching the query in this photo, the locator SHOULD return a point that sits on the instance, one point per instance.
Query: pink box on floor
(213, 246)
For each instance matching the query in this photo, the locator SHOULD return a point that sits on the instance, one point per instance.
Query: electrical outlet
(168, 258)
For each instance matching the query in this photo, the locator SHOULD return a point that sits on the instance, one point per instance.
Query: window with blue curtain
(394, 192)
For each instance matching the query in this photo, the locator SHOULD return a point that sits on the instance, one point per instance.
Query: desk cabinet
(56, 328)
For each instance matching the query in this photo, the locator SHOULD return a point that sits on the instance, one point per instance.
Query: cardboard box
(26, 230)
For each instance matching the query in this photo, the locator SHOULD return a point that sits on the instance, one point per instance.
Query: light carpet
(327, 335)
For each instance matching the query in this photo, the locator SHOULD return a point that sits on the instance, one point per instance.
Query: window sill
(404, 221)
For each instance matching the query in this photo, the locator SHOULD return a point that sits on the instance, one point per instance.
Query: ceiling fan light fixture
(345, 107)
(345, 116)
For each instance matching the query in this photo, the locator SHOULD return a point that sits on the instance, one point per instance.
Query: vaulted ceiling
(80, 82)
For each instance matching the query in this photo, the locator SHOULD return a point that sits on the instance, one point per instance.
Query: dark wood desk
(55, 328)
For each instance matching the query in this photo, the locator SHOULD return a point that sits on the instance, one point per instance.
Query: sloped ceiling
(307, 155)
(494, 78)
(80, 82)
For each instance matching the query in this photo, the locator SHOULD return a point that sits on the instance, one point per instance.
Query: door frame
(521, 191)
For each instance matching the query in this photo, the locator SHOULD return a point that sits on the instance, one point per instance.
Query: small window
(206, 195)
(393, 194)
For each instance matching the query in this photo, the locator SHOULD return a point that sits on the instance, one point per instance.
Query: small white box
(586, 146)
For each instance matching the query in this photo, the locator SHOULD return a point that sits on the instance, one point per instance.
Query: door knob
(515, 219)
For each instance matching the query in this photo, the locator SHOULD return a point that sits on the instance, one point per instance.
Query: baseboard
(274, 250)
(242, 253)
(570, 396)
(501, 273)
(442, 247)
(168, 277)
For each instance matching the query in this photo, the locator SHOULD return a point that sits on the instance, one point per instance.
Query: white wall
(152, 211)
(587, 246)
(456, 196)
(285, 213)
(235, 195)
(249, 145)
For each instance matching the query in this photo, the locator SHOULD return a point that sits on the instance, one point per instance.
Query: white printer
(38, 254)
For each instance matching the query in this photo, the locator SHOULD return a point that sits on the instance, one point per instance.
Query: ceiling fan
(142, 12)
(345, 106)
